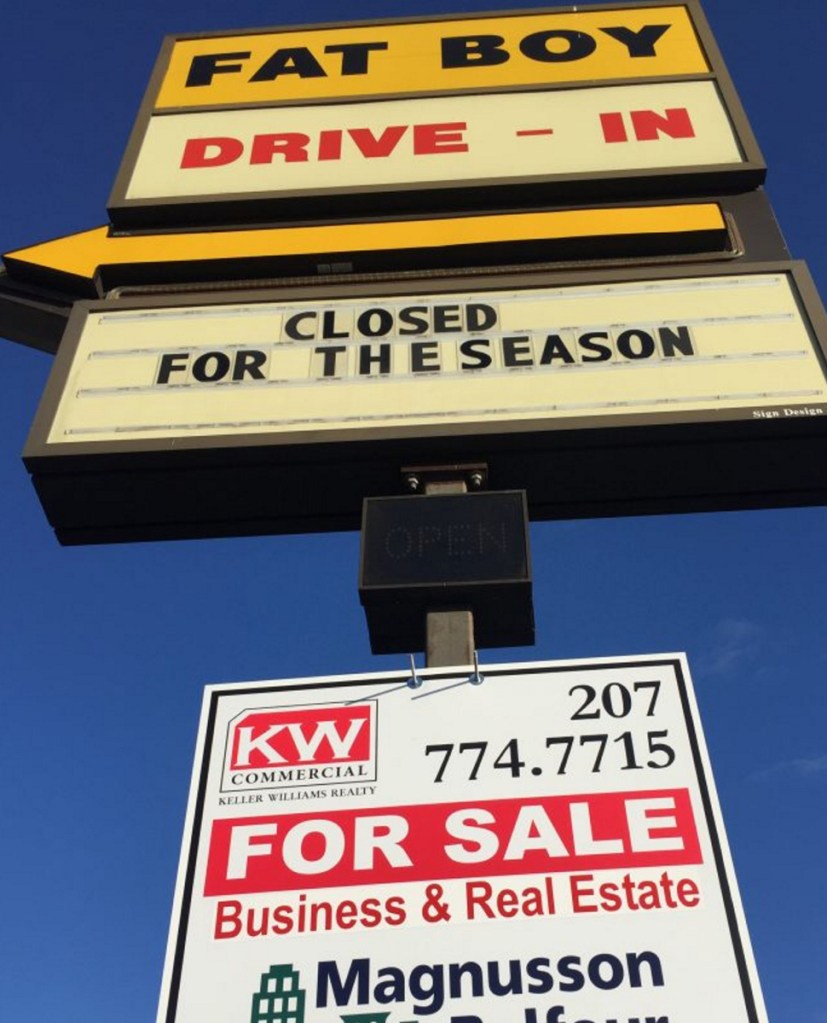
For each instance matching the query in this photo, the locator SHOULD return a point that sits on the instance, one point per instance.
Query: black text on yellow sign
(544, 48)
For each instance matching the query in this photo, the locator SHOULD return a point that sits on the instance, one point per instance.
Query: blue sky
(104, 650)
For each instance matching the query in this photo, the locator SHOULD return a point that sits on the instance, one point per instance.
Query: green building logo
(281, 999)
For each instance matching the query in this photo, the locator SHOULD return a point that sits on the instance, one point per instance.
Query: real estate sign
(540, 844)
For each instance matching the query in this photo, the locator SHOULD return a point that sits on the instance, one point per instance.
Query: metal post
(449, 635)
(449, 638)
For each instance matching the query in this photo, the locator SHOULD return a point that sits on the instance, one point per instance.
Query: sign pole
(449, 638)
(449, 635)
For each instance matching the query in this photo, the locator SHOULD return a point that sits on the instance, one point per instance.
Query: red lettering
(477, 894)
(614, 130)
(292, 145)
(635, 894)
(481, 900)
(688, 894)
(197, 152)
(227, 919)
(439, 138)
(330, 145)
(649, 125)
(371, 146)
(580, 892)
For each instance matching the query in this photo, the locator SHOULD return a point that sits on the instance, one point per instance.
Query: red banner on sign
(538, 835)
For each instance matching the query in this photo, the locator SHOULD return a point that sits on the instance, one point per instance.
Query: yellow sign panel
(381, 367)
(537, 49)
(84, 253)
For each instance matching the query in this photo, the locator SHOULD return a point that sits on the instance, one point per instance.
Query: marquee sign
(515, 371)
(281, 372)
(433, 114)
(550, 835)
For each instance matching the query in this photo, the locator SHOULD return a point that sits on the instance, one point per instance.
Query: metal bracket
(476, 679)
(418, 479)
(415, 681)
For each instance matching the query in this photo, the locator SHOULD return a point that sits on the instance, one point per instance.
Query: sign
(447, 54)
(436, 552)
(444, 539)
(545, 845)
(291, 371)
(378, 375)
(100, 259)
(452, 114)
(434, 143)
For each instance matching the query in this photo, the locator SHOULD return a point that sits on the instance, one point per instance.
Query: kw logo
(301, 745)
(310, 736)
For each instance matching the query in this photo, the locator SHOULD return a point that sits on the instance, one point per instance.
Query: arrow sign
(91, 263)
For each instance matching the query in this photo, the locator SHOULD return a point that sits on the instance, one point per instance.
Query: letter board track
(617, 391)
(438, 114)
(543, 845)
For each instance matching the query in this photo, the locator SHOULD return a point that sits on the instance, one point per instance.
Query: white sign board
(435, 140)
(737, 344)
(545, 845)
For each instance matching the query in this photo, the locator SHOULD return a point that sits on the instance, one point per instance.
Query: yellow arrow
(199, 255)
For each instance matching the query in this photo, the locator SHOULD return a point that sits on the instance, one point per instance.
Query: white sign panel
(735, 343)
(544, 846)
(471, 138)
